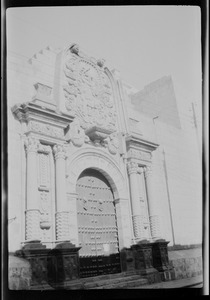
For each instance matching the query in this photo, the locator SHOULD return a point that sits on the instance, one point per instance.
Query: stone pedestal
(144, 261)
(127, 260)
(54, 267)
(36, 254)
(161, 261)
(63, 265)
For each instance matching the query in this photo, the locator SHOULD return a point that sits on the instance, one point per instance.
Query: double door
(97, 226)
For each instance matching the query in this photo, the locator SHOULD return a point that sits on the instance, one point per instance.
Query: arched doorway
(97, 225)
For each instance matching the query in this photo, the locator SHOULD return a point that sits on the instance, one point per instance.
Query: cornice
(137, 142)
(29, 110)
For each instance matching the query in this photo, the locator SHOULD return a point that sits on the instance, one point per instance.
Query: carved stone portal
(88, 92)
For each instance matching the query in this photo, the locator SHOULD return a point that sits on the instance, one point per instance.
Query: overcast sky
(144, 43)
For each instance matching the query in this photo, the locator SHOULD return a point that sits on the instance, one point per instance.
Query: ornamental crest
(88, 91)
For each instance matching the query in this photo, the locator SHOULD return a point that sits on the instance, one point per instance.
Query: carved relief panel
(88, 91)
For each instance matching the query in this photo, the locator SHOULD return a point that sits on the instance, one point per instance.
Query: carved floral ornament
(133, 167)
(88, 91)
(31, 144)
(59, 151)
(46, 129)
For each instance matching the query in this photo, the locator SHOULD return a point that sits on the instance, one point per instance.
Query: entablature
(42, 121)
(139, 149)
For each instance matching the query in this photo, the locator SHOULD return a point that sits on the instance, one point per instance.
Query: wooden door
(97, 225)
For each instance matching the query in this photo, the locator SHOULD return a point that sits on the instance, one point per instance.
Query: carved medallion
(88, 92)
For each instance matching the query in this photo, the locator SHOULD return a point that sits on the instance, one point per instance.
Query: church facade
(85, 166)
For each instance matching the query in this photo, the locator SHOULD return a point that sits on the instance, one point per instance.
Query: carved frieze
(88, 91)
(45, 129)
(139, 154)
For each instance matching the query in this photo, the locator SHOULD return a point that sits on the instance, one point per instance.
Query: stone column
(135, 201)
(152, 204)
(62, 215)
(32, 205)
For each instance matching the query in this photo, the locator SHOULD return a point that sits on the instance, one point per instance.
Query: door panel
(97, 225)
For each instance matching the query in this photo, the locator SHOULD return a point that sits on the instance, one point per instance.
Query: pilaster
(135, 201)
(153, 205)
(32, 206)
(62, 214)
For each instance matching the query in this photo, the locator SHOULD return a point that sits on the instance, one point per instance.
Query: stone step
(124, 285)
(105, 282)
(109, 276)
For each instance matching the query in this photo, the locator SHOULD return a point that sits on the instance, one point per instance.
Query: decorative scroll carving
(134, 153)
(77, 134)
(31, 144)
(88, 91)
(132, 167)
(112, 143)
(46, 129)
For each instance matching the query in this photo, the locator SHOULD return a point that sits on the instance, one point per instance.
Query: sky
(144, 43)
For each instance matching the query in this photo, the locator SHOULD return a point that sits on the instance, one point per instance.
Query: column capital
(132, 167)
(140, 170)
(31, 144)
(148, 171)
(59, 151)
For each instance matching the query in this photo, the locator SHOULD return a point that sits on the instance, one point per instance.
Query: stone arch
(86, 159)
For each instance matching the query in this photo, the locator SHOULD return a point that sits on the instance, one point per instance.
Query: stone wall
(186, 263)
(19, 273)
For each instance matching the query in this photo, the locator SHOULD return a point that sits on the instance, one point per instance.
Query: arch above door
(95, 159)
